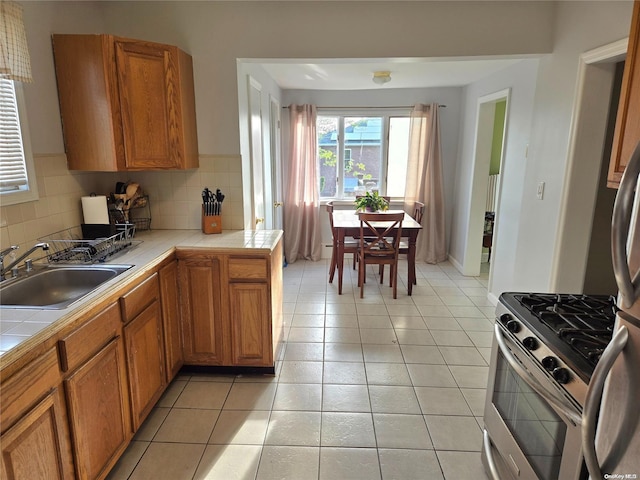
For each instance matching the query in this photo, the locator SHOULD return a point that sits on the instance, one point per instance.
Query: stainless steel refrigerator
(611, 415)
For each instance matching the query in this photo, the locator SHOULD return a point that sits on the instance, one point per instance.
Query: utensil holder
(211, 223)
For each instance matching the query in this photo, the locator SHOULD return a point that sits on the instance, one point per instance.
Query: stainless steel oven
(537, 386)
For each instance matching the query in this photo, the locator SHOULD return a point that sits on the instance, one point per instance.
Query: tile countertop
(29, 326)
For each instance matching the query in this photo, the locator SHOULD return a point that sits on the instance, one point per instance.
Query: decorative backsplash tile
(174, 196)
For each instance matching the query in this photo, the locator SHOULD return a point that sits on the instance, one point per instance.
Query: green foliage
(330, 158)
(372, 201)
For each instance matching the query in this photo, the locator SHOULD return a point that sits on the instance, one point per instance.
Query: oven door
(532, 430)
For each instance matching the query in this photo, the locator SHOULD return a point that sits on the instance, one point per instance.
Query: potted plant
(371, 202)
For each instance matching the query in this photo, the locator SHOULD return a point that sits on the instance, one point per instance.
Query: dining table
(346, 223)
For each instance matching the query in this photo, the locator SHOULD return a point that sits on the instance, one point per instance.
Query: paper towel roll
(95, 210)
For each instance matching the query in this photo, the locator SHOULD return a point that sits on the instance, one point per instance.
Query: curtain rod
(367, 108)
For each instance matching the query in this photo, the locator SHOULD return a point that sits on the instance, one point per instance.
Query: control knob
(513, 326)
(530, 343)
(561, 375)
(550, 363)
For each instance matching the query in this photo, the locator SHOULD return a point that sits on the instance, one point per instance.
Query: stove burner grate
(583, 322)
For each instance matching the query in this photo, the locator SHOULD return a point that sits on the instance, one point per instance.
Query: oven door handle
(594, 396)
(560, 404)
(620, 222)
(486, 444)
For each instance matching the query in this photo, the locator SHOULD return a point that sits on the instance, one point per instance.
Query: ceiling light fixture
(381, 77)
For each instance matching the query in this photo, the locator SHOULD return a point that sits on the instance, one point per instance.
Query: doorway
(491, 122)
(587, 152)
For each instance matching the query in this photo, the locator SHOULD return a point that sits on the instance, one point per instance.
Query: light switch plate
(540, 192)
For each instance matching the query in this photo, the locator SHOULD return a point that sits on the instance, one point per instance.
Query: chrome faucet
(4, 253)
(44, 246)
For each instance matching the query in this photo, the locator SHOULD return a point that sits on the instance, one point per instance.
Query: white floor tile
(349, 463)
(371, 388)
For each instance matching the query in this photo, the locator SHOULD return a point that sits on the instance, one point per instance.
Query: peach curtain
(424, 182)
(302, 237)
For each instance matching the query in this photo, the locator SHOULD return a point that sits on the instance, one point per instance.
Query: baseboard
(455, 263)
(492, 298)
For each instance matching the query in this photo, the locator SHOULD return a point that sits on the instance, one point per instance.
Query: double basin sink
(55, 287)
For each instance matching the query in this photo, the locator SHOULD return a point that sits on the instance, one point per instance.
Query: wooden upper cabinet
(125, 104)
(627, 132)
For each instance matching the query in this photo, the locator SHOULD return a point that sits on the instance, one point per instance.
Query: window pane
(13, 172)
(398, 155)
(363, 139)
(327, 131)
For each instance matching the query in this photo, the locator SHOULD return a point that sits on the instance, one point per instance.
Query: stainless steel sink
(56, 287)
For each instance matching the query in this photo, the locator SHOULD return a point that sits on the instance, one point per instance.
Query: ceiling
(356, 74)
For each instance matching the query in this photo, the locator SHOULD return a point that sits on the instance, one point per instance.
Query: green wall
(498, 133)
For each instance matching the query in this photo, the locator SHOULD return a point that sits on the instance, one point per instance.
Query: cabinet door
(99, 411)
(38, 446)
(147, 81)
(171, 319)
(250, 324)
(201, 311)
(145, 361)
(627, 131)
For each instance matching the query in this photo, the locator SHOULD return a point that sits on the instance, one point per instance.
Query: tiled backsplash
(175, 197)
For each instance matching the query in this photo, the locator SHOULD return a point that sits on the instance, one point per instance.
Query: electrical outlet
(540, 192)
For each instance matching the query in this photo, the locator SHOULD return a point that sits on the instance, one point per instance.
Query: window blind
(13, 172)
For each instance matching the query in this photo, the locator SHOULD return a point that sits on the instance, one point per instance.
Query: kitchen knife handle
(620, 223)
(594, 396)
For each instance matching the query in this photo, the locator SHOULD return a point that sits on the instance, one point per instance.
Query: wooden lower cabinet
(38, 446)
(201, 311)
(250, 324)
(99, 411)
(168, 276)
(145, 361)
(231, 307)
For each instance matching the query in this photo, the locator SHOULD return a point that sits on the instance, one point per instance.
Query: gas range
(565, 333)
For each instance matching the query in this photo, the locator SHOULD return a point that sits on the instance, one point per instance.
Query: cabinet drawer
(247, 268)
(22, 390)
(139, 298)
(89, 338)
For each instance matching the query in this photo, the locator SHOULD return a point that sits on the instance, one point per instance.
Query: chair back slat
(379, 228)
(418, 211)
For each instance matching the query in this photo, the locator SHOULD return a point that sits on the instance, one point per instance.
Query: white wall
(521, 80)
(580, 26)
(216, 34)
(389, 97)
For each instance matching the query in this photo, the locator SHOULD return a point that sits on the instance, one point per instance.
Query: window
(362, 153)
(17, 177)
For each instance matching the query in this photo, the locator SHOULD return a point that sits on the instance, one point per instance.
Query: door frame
(473, 249)
(586, 145)
(275, 139)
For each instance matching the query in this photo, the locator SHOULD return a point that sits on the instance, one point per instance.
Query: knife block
(211, 223)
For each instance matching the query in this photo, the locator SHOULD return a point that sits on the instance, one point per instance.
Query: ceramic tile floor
(371, 388)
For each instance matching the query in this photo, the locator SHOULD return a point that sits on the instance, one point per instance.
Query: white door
(256, 149)
(276, 164)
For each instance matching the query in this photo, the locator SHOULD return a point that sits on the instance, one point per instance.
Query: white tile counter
(20, 326)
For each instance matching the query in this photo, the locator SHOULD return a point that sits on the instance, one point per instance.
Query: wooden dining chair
(350, 246)
(386, 230)
(418, 211)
